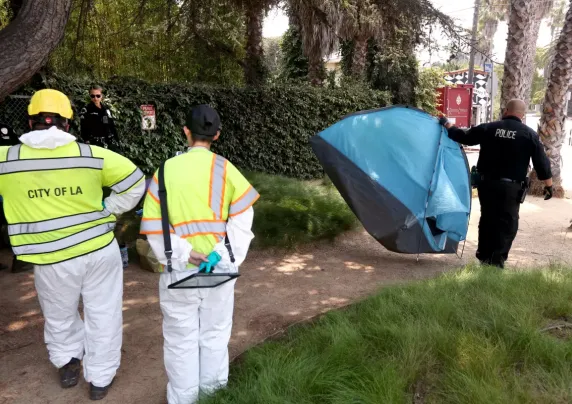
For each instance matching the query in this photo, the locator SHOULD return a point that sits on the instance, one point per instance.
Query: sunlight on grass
(473, 336)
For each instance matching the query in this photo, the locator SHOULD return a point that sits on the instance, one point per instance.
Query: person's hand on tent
(208, 265)
(197, 258)
(443, 121)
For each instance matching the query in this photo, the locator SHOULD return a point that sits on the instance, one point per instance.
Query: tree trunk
(554, 107)
(29, 39)
(359, 57)
(254, 70)
(487, 41)
(520, 51)
(530, 65)
(315, 69)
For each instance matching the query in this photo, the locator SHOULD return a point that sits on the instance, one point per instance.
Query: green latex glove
(207, 267)
(103, 204)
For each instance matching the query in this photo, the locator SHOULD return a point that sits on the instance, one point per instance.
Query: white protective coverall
(197, 322)
(97, 277)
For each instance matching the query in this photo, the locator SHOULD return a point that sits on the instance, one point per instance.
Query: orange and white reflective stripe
(217, 186)
(200, 228)
(152, 226)
(153, 189)
(244, 202)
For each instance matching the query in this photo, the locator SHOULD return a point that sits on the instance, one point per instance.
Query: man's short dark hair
(95, 87)
(202, 138)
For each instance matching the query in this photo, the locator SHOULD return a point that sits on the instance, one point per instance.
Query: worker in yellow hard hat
(52, 190)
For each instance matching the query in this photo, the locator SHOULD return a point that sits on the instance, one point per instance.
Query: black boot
(69, 374)
(98, 393)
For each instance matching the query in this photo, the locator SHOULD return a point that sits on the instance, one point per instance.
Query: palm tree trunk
(541, 9)
(254, 72)
(359, 58)
(29, 39)
(489, 31)
(554, 108)
(520, 51)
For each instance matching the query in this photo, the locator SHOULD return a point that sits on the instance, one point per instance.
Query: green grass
(470, 337)
(292, 212)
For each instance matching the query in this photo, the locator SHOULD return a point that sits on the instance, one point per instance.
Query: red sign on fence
(148, 117)
(456, 103)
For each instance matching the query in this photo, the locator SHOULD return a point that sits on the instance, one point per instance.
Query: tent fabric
(399, 172)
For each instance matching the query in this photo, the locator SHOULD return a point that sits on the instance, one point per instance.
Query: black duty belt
(485, 178)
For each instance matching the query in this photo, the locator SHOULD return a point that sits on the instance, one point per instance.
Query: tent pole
(463, 250)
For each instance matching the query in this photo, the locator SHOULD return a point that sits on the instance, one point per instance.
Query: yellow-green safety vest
(203, 191)
(52, 199)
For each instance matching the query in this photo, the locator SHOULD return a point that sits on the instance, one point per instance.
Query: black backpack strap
(229, 248)
(165, 217)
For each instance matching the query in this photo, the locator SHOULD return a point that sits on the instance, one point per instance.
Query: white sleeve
(239, 231)
(121, 203)
(181, 250)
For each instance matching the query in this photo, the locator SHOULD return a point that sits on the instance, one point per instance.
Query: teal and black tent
(405, 180)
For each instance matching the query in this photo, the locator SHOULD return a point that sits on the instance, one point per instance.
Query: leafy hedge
(265, 129)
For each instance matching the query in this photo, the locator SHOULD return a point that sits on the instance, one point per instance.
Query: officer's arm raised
(472, 137)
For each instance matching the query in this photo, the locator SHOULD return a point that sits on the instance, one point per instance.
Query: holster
(524, 190)
(476, 177)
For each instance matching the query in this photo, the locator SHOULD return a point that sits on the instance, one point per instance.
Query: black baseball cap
(203, 120)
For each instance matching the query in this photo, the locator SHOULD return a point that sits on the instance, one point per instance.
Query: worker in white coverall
(52, 190)
(209, 201)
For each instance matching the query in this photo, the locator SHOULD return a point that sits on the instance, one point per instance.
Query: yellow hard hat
(50, 102)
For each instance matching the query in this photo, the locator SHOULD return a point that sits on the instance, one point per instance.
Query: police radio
(475, 177)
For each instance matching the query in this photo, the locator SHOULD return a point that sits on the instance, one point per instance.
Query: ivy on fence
(264, 129)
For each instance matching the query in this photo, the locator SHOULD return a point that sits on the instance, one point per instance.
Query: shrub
(265, 129)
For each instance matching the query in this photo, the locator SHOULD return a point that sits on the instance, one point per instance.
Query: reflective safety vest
(52, 199)
(203, 191)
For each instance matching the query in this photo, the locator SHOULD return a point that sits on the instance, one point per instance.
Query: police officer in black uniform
(506, 149)
(97, 123)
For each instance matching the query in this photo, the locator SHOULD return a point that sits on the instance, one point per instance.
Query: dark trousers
(498, 226)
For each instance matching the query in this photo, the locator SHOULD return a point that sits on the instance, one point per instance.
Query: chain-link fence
(14, 113)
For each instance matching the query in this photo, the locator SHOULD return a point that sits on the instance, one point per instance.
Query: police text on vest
(506, 134)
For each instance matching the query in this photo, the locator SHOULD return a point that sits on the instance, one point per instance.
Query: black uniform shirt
(506, 149)
(97, 125)
(7, 136)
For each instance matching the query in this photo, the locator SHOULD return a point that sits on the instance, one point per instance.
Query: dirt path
(276, 289)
